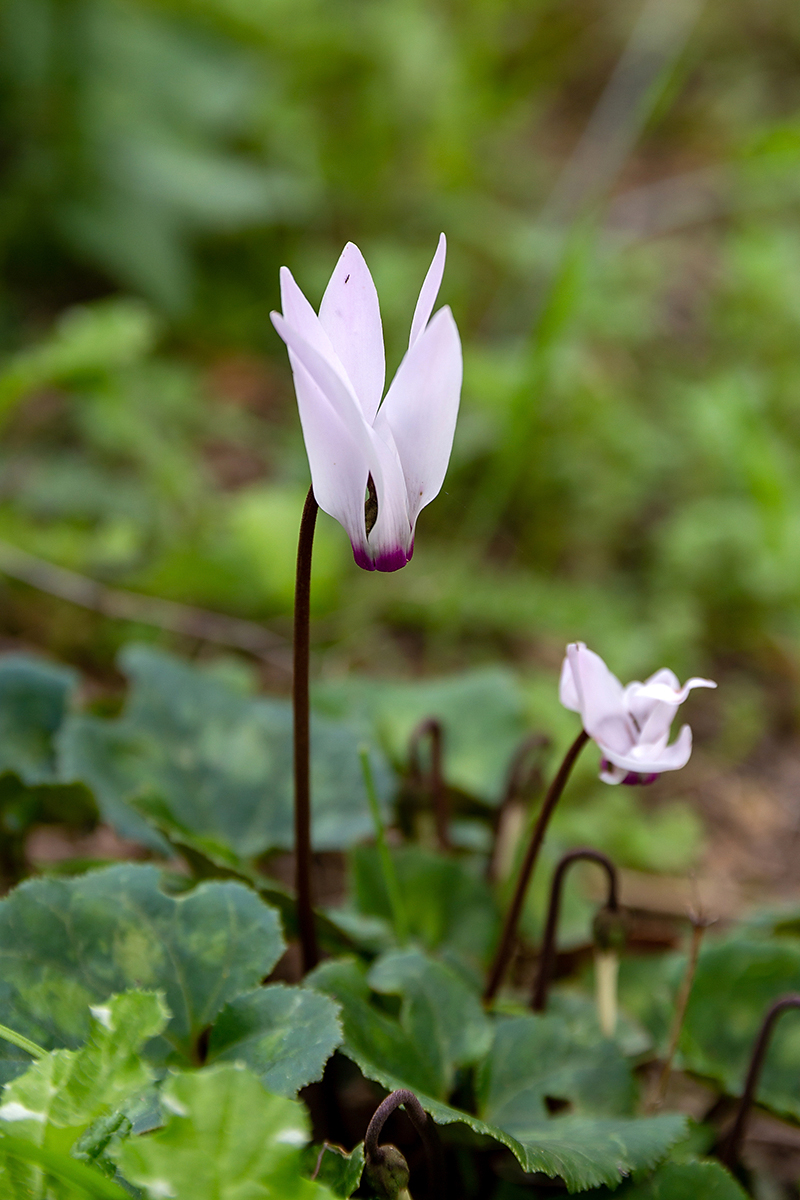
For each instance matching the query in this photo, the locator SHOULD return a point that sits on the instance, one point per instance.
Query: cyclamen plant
(374, 466)
(631, 726)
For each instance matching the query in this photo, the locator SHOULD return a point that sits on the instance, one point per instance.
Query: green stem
(399, 918)
(24, 1043)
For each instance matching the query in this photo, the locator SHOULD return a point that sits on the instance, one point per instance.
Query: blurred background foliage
(619, 183)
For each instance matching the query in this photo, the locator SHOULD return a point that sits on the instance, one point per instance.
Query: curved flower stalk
(374, 466)
(631, 725)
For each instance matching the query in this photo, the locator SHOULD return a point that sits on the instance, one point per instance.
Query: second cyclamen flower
(631, 725)
(374, 465)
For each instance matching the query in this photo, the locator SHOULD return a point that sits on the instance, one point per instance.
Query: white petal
(567, 692)
(600, 696)
(429, 291)
(299, 314)
(391, 539)
(338, 451)
(612, 774)
(341, 468)
(655, 728)
(650, 759)
(657, 690)
(420, 409)
(351, 317)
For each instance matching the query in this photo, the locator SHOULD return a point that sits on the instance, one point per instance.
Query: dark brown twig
(375, 1154)
(123, 605)
(730, 1152)
(539, 997)
(302, 737)
(699, 925)
(432, 729)
(509, 933)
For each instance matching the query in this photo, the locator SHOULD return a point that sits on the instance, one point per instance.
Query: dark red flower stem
(730, 1151)
(509, 933)
(302, 737)
(432, 729)
(425, 1128)
(539, 998)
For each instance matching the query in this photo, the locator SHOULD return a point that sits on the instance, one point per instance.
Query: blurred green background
(619, 183)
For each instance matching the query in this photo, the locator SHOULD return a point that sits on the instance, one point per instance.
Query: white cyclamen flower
(631, 725)
(374, 465)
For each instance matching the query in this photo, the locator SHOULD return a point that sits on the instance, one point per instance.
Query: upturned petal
(351, 317)
(649, 758)
(428, 292)
(419, 413)
(600, 696)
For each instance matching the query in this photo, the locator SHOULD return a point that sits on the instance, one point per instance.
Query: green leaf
(218, 763)
(256, 1139)
(72, 1087)
(685, 1181)
(441, 1014)
(540, 1058)
(77, 1181)
(285, 1035)
(447, 901)
(377, 1043)
(66, 944)
(339, 1171)
(209, 860)
(483, 712)
(33, 703)
(735, 983)
(584, 1150)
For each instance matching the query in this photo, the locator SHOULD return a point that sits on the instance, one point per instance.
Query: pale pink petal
(567, 692)
(338, 448)
(600, 696)
(428, 292)
(650, 759)
(420, 410)
(351, 317)
(655, 728)
(299, 314)
(672, 695)
(611, 774)
(391, 539)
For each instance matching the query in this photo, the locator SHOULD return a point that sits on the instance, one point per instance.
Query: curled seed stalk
(386, 1167)
(730, 1151)
(547, 957)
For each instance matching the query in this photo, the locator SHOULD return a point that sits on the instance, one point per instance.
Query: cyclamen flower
(631, 725)
(374, 465)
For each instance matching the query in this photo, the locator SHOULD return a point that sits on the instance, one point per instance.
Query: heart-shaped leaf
(585, 1151)
(219, 763)
(70, 1088)
(441, 1013)
(539, 1058)
(285, 1035)
(256, 1138)
(66, 944)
